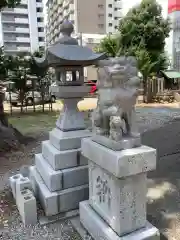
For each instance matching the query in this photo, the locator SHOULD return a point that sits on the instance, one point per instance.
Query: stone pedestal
(117, 192)
(60, 175)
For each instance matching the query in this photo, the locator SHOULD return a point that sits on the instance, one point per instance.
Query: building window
(41, 49)
(40, 29)
(41, 39)
(39, 9)
(110, 5)
(100, 15)
(100, 6)
(40, 19)
(40, 1)
(110, 15)
(101, 25)
(115, 27)
(24, 35)
(110, 24)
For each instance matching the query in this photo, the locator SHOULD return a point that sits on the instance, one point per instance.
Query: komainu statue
(114, 123)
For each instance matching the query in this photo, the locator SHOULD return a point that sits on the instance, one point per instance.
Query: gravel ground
(149, 120)
(152, 118)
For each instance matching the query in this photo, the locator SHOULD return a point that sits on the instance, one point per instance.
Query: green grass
(34, 123)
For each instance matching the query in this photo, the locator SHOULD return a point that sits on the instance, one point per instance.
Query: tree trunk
(149, 92)
(3, 118)
(10, 138)
(145, 89)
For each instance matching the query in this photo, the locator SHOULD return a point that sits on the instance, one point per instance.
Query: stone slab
(126, 143)
(44, 220)
(75, 176)
(71, 91)
(52, 179)
(57, 202)
(47, 199)
(61, 179)
(62, 159)
(75, 221)
(120, 202)
(82, 160)
(120, 163)
(100, 230)
(67, 140)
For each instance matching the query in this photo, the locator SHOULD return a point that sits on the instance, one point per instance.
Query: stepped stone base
(61, 179)
(67, 140)
(60, 201)
(100, 230)
(62, 159)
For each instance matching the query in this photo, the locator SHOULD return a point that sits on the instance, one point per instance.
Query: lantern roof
(67, 52)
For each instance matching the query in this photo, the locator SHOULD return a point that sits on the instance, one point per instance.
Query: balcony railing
(22, 20)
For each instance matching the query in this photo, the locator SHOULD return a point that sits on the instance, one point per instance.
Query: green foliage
(6, 64)
(20, 69)
(9, 3)
(39, 72)
(108, 45)
(143, 33)
(20, 72)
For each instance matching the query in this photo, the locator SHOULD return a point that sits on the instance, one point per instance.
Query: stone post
(116, 209)
(117, 186)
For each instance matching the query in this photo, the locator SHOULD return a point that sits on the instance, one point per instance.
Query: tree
(9, 3)
(142, 34)
(6, 65)
(108, 45)
(10, 136)
(19, 75)
(41, 74)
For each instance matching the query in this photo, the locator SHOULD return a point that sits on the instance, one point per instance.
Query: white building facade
(88, 16)
(113, 14)
(22, 29)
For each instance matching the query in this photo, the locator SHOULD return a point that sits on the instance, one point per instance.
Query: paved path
(161, 129)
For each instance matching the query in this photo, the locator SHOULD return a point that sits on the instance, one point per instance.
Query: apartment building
(22, 29)
(88, 16)
(174, 15)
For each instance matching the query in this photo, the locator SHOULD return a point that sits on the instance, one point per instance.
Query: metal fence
(32, 101)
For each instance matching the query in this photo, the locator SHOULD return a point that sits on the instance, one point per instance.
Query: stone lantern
(60, 175)
(69, 59)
